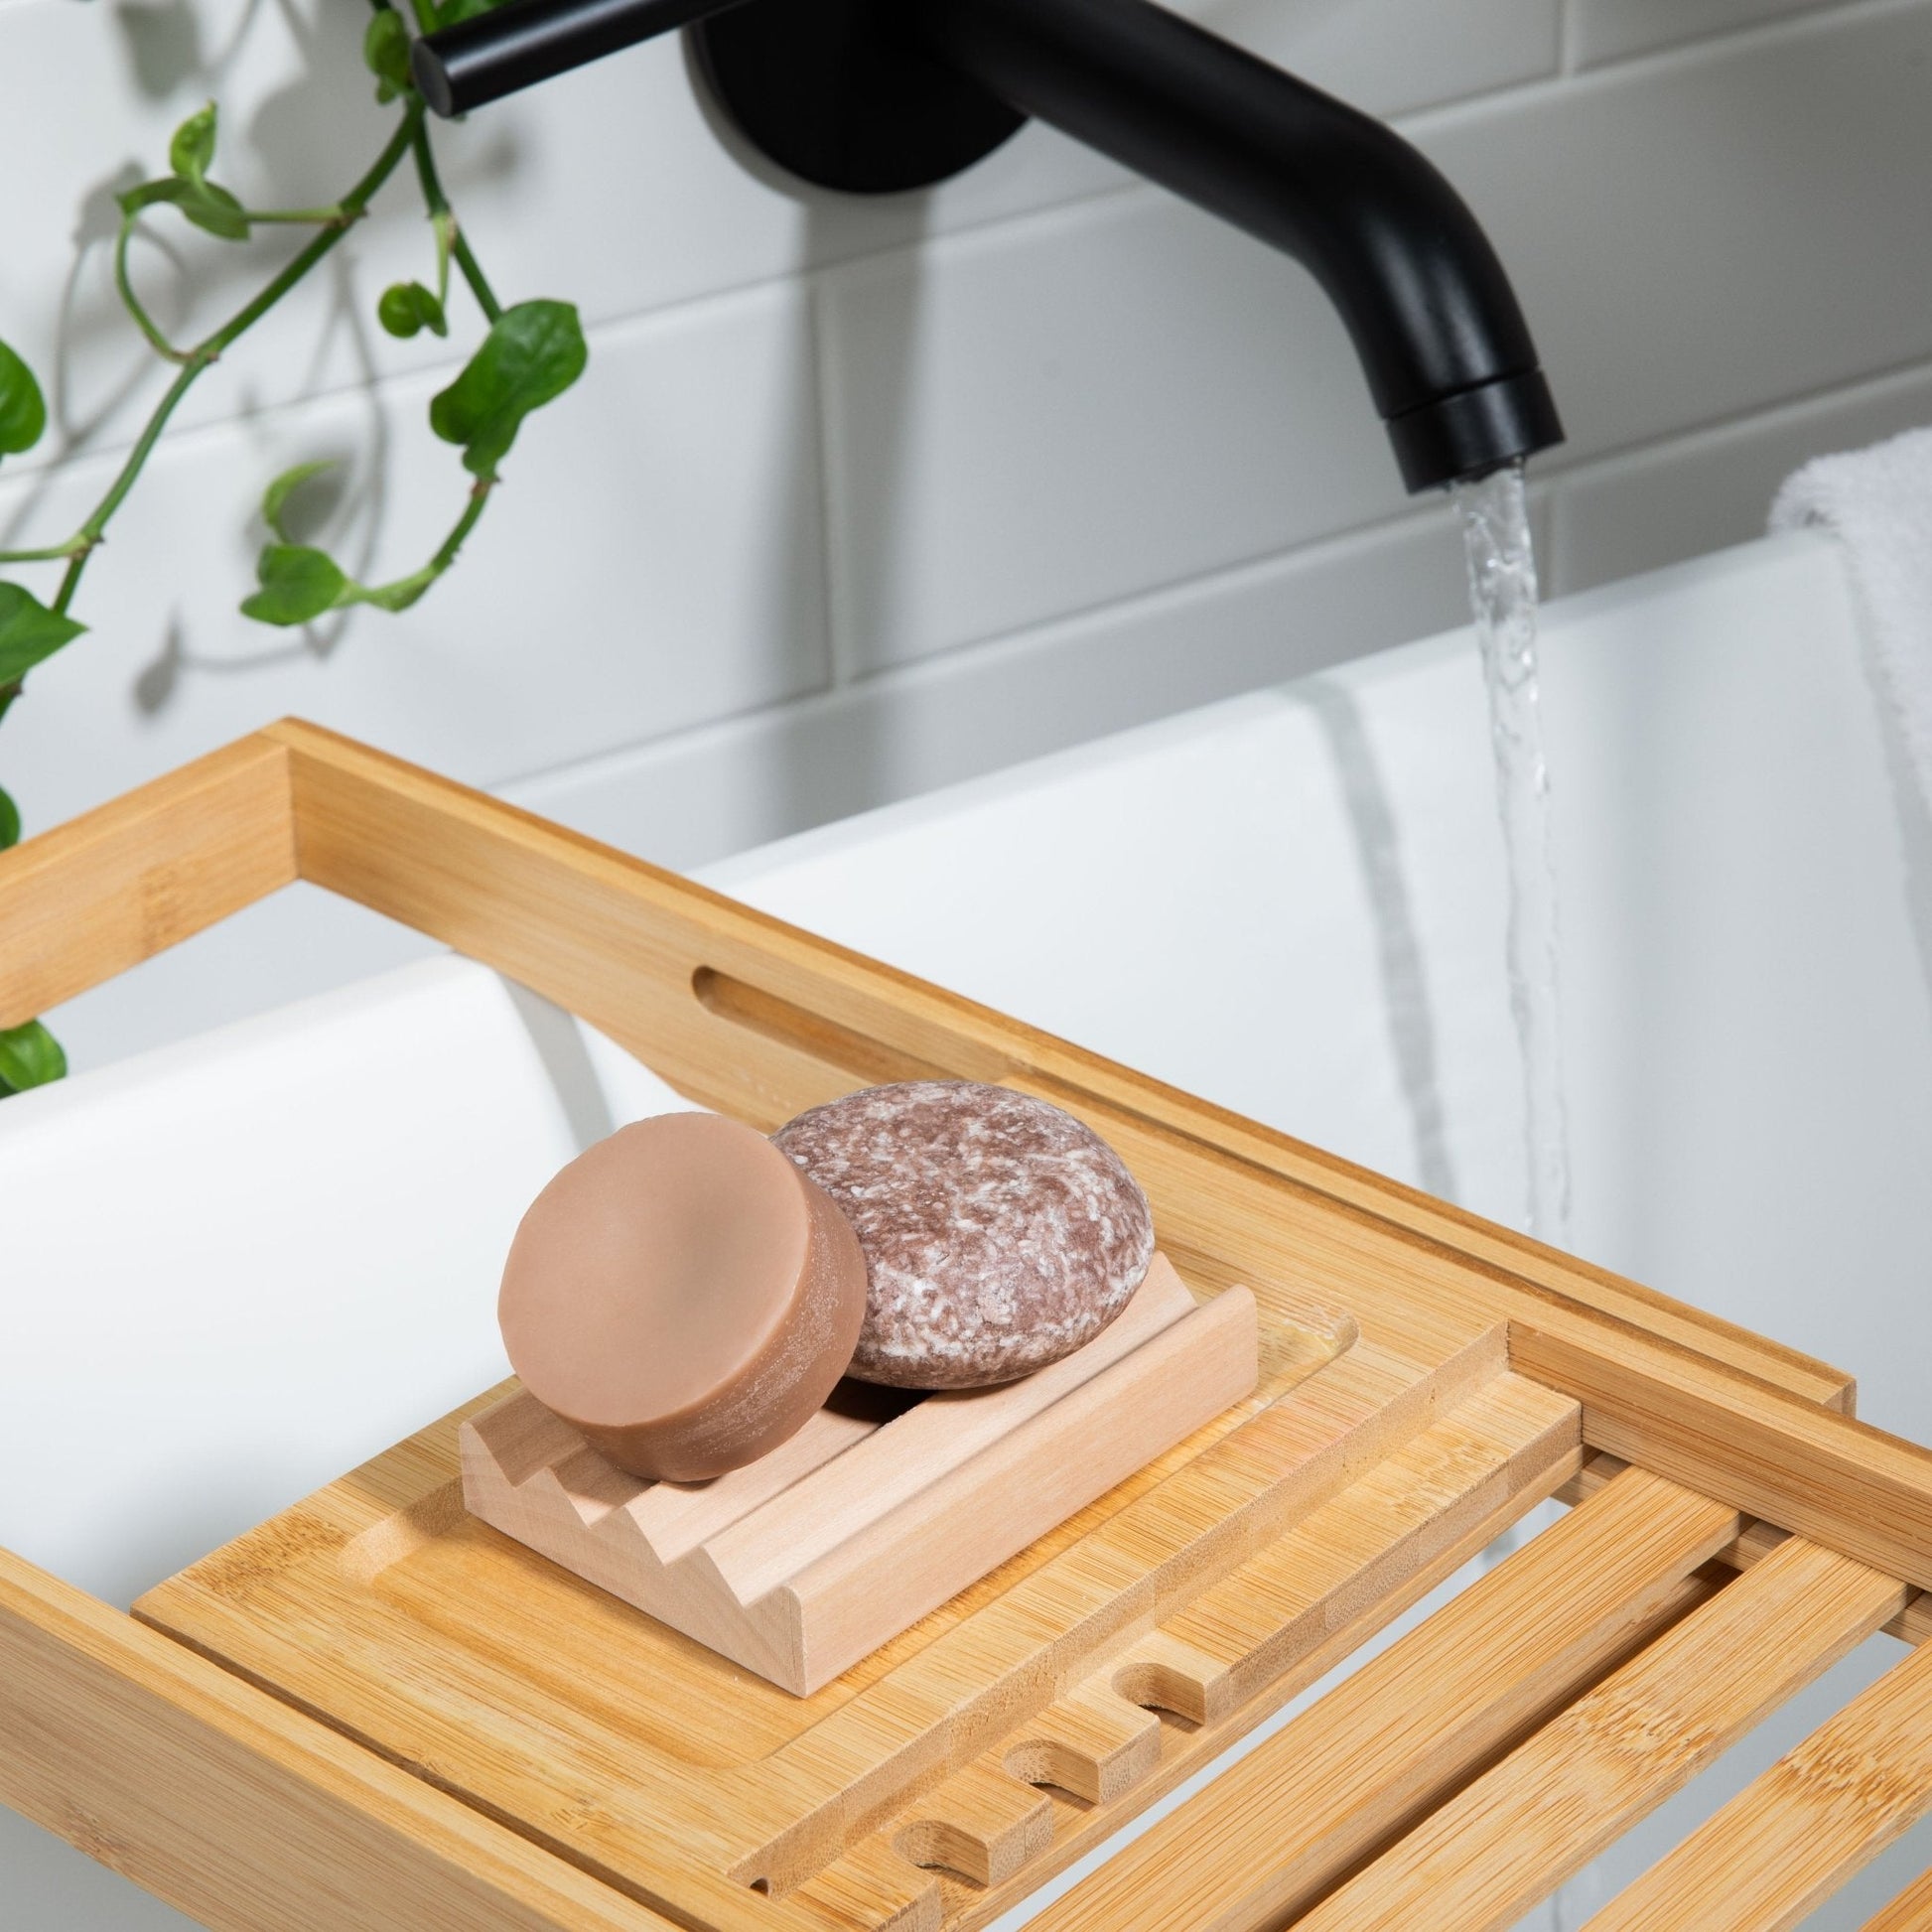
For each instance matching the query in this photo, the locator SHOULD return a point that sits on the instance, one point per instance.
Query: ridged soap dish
(801, 1563)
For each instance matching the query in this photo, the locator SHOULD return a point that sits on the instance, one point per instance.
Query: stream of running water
(1502, 593)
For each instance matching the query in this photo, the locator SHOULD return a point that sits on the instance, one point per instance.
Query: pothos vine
(531, 353)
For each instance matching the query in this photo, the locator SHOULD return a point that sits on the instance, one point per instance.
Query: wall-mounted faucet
(877, 96)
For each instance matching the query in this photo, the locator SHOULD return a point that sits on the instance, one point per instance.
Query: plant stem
(474, 275)
(88, 536)
(404, 591)
(479, 496)
(321, 218)
(351, 206)
(209, 348)
(124, 281)
(8, 693)
(53, 553)
(439, 203)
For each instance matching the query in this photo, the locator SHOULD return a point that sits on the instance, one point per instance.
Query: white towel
(1879, 503)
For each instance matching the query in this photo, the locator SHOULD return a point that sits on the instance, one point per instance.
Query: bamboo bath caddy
(376, 1712)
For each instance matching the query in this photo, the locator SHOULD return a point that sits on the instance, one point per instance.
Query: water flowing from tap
(1502, 593)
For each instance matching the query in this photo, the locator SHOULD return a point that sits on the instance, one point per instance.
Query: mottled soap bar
(999, 1232)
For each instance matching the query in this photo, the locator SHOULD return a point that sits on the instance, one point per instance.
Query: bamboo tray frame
(1735, 1530)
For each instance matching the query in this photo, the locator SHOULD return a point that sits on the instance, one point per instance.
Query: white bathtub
(274, 1251)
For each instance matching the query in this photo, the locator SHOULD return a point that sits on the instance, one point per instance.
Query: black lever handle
(495, 54)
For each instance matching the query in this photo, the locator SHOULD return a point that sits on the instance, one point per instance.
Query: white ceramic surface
(263, 1255)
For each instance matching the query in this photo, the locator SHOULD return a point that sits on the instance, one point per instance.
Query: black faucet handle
(495, 54)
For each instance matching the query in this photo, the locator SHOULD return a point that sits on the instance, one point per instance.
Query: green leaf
(202, 202)
(298, 584)
(406, 307)
(385, 53)
(23, 409)
(28, 631)
(450, 13)
(275, 498)
(531, 355)
(9, 821)
(217, 210)
(192, 151)
(29, 1056)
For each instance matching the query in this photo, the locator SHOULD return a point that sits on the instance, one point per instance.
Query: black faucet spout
(873, 96)
(1447, 354)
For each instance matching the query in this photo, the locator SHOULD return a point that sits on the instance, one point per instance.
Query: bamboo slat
(1913, 1624)
(1840, 1482)
(1791, 1837)
(1278, 1828)
(1910, 1911)
(1507, 1842)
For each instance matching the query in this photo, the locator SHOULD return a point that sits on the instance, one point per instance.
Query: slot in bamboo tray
(376, 1711)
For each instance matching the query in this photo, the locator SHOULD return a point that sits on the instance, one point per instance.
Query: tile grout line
(831, 547)
(835, 590)
(1777, 413)
(1644, 63)
(1559, 492)
(1413, 514)
(1042, 634)
(1566, 36)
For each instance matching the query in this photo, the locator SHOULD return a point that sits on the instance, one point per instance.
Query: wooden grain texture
(1276, 1829)
(829, 1489)
(1793, 1835)
(440, 1642)
(1505, 1843)
(831, 1566)
(1913, 1624)
(1910, 1911)
(982, 1823)
(947, 1435)
(1332, 1579)
(1090, 1740)
(1248, 1629)
(105, 891)
(874, 1887)
(1789, 1462)
(239, 1811)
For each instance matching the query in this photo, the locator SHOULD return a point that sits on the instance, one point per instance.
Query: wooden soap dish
(807, 1559)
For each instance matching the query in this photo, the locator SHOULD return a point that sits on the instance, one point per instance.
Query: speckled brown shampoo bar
(999, 1233)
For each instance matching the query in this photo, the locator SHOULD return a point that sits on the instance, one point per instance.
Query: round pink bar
(683, 1296)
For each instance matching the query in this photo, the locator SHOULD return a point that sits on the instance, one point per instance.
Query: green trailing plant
(531, 353)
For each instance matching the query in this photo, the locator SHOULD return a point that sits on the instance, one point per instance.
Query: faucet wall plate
(823, 89)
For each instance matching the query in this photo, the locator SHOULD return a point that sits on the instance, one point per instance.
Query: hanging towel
(1878, 504)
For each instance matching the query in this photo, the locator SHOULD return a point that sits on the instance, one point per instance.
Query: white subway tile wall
(859, 498)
